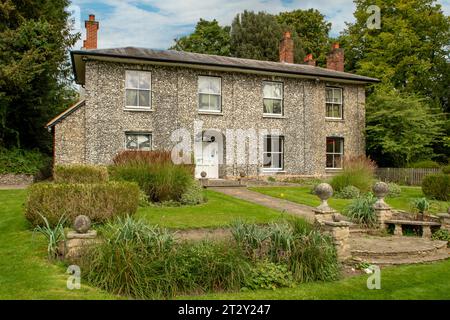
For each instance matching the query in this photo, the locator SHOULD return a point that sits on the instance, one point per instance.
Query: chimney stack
(335, 59)
(287, 48)
(309, 60)
(91, 33)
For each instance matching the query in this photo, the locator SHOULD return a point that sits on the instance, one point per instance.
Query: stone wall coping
(91, 234)
(443, 215)
(336, 224)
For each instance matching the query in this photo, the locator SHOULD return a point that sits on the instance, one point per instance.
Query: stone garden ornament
(324, 191)
(82, 224)
(381, 190)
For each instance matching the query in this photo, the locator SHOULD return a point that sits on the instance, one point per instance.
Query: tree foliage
(209, 38)
(312, 30)
(34, 70)
(401, 127)
(257, 36)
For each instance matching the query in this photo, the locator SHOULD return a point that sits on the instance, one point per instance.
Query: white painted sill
(138, 109)
(273, 116)
(212, 113)
(334, 119)
(266, 171)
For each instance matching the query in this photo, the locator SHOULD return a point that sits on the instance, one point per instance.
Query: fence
(408, 176)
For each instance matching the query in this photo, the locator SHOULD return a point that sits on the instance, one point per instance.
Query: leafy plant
(424, 164)
(443, 235)
(268, 275)
(348, 192)
(394, 190)
(446, 169)
(271, 179)
(361, 210)
(53, 234)
(19, 161)
(193, 195)
(422, 205)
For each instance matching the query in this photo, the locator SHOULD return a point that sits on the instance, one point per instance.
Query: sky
(156, 23)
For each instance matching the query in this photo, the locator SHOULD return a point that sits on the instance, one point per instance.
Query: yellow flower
(282, 195)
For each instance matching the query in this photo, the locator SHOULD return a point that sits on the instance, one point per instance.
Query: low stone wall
(10, 179)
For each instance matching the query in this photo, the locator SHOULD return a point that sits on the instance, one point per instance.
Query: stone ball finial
(324, 191)
(82, 224)
(203, 174)
(380, 189)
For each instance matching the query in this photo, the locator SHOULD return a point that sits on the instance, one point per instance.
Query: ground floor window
(273, 154)
(138, 141)
(335, 152)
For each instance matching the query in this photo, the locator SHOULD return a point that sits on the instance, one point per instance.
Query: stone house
(280, 117)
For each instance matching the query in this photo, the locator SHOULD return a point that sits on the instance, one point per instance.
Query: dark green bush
(268, 275)
(394, 190)
(437, 187)
(99, 202)
(19, 161)
(193, 195)
(446, 169)
(144, 262)
(357, 172)
(80, 174)
(424, 164)
(443, 235)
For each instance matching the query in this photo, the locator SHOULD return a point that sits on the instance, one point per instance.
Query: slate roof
(189, 58)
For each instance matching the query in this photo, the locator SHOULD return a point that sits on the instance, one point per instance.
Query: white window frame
(273, 98)
(332, 103)
(335, 153)
(138, 107)
(281, 153)
(209, 94)
(137, 133)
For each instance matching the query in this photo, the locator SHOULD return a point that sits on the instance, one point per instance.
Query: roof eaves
(65, 114)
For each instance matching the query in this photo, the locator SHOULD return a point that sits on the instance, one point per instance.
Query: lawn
(425, 281)
(25, 273)
(303, 195)
(218, 211)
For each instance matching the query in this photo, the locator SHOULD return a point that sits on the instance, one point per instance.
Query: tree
(410, 50)
(400, 127)
(257, 36)
(209, 38)
(312, 30)
(34, 70)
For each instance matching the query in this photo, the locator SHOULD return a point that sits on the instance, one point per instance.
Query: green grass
(303, 195)
(220, 210)
(425, 281)
(25, 272)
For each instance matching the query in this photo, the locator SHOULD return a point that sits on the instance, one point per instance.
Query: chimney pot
(92, 27)
(335, 59)
(309, 60)
(287, 48)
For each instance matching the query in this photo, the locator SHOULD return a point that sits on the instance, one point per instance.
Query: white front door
(208, 160)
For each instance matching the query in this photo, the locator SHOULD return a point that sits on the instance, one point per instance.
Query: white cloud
(130, 23)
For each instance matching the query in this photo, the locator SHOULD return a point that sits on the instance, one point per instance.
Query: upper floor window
(273, 98)
(138, 141)
(333, 102)
(209, 94)
(138, 89)
(273, 153)
(335, 152)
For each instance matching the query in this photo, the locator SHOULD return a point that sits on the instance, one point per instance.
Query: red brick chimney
(91, 33)
(335, 59)
(309, 60)
(287, 48)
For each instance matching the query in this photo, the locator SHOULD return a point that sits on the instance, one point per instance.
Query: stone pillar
(444, 219)
(382, 209)
(340, 233)
(324, 212)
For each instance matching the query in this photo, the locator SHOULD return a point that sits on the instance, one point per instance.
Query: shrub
(19, 161)
(361, 210)
(424, 164)
(155, 174)
(357, 172)
(193, 195)
(446, 169)
(394, 190)
(144, 262)
(80, 174)
(348, 192)
(52, 234)
(268, 275)
(443, 235)
(99, 202)
(437, 187)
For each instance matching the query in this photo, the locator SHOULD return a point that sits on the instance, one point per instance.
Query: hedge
(437, 187)
(99, 202)
(80, 174)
